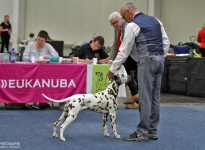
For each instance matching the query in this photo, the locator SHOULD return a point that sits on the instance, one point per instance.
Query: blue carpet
(180, 128)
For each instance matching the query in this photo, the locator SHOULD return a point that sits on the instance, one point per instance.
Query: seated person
(31, 38)
(39, 48)
(91, 50)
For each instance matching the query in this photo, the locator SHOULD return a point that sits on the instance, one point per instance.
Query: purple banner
(25, 82)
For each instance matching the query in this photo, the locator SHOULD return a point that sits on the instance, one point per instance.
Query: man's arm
(26, 54)
(52, 51)
(104, 57)
(165, 40)
(131, 31)
(106, 60)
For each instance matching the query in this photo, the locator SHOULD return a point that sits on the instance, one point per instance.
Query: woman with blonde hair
(201, 40)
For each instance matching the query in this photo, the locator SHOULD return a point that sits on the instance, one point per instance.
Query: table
(26, 82)
(184, 75)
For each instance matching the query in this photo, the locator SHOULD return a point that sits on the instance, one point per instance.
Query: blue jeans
(150, 71)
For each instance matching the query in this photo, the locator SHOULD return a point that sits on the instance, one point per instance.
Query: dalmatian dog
(104, 102)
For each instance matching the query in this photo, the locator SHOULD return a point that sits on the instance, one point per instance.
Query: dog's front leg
(113, 124)
(105, 124)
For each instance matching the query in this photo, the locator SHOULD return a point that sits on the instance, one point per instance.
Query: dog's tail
(54, 100)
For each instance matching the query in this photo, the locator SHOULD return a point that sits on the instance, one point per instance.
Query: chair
(74, 48)
(58, 46)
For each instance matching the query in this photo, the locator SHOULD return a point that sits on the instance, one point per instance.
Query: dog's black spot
(114, 102)
(73, 116)
(71, 106)
(66, 107)
(55, 124)
(102, 93)
(107, 104)
(111, 92)
(79, 100)
(66, 110)
(105, 119)
(74, 101)
(84, 95)
(96, 96)
(114, 88)
(88, 102)
(106, 97)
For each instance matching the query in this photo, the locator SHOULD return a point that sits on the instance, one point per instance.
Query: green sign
(100, 78)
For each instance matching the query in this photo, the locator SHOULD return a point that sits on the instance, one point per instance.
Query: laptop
(1, 57)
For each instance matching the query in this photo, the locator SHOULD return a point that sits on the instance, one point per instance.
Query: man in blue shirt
(91, 50)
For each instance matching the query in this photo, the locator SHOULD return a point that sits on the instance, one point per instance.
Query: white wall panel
(57, 19)
(6, 8)
(74, 20)
(31, 18)
(182, 18)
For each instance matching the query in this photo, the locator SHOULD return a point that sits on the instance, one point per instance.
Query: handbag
(182, 49)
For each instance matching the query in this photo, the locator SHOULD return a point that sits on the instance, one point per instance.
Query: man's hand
(110, 75)
(47, 56)
(87, 61)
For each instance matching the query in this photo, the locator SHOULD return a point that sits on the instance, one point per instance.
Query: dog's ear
(115, 77)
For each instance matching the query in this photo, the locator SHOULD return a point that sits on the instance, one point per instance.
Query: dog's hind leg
(69, 119)
(56, 124)
(113, 124)
(105, 124)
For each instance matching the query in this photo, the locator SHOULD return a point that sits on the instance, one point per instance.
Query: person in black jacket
(5, 29)
(93, 49)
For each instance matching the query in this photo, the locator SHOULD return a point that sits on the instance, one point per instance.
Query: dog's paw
(117, 136)
(62, 139)
(55, 135)
(106, 134)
